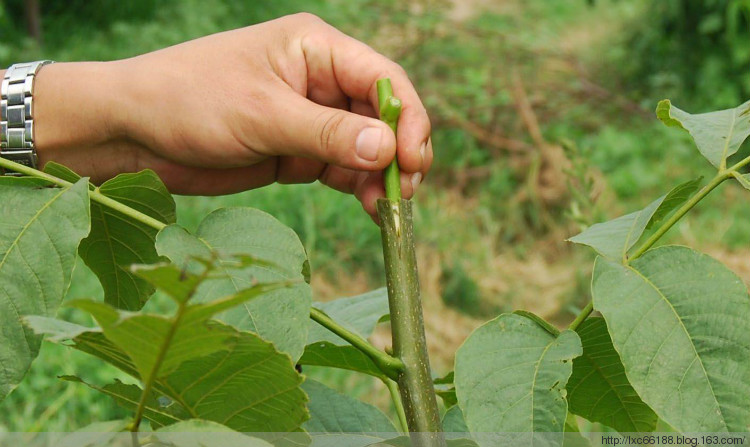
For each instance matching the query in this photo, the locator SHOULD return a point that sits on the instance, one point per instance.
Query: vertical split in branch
(390, 110)
(409, 344)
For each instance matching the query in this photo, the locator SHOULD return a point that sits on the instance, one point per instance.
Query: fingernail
(416, 179)
(368, 143)
(423, 149)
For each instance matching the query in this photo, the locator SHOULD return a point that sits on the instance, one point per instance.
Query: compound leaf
(510, 376)
(39, 235)
(598, 388)
(717, 134)
(680, 322)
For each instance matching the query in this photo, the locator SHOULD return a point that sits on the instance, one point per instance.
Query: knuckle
(328, 127)
(307, 18)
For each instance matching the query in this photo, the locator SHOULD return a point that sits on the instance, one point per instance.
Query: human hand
(292, 100)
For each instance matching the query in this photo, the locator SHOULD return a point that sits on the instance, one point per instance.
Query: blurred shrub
(694, 51)
(460, 291)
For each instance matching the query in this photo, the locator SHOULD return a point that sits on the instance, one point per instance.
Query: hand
(291, 100)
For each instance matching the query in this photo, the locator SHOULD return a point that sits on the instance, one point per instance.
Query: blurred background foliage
(543, 124)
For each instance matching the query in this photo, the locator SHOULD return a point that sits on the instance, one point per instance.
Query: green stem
(390, 110)
(390, 366)
(687, 206)
(585, 312)
(148, 384)
(407, 325)
(95, 195)
(397, 403)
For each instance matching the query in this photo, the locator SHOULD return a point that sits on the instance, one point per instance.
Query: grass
(488, 239)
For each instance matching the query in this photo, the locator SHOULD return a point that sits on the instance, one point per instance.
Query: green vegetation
(543, 124)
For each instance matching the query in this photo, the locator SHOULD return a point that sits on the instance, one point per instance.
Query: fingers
(367, 187)
(356, 67)
(334, 136)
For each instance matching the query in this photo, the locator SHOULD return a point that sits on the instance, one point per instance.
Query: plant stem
(161, 355)
(687, 206)
(409, 345)
(396, 398)
(390, 366)
(95, 195)
(585, 312)
(390, 110)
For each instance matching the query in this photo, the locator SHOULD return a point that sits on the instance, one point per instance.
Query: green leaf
(203, 433)
(128, 396)
(510, 376)
(280, 317)
(544, 324)
(717, 134)
(680, 321)
(248, 386)
(598, 388)
(63, 172)
(612, 239)
(333, 412)
(116, 240)
(39, 235)
(448, 395)
(453, 421)
(674, 199)
(143, 338)
(405, 441)
(98, 434)
(446, 379)
(743, 179)
(573, 437)
(359, 314)
(325, 353)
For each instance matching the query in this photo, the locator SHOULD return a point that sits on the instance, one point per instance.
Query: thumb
(334, 136)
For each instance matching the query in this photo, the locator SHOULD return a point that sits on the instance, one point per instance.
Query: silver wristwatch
(17, 114)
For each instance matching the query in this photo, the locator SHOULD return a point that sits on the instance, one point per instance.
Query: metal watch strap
(17, 114)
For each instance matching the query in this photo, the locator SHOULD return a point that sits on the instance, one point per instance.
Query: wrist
(75, 108)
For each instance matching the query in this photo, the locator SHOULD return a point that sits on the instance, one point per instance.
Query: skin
(282, 101)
